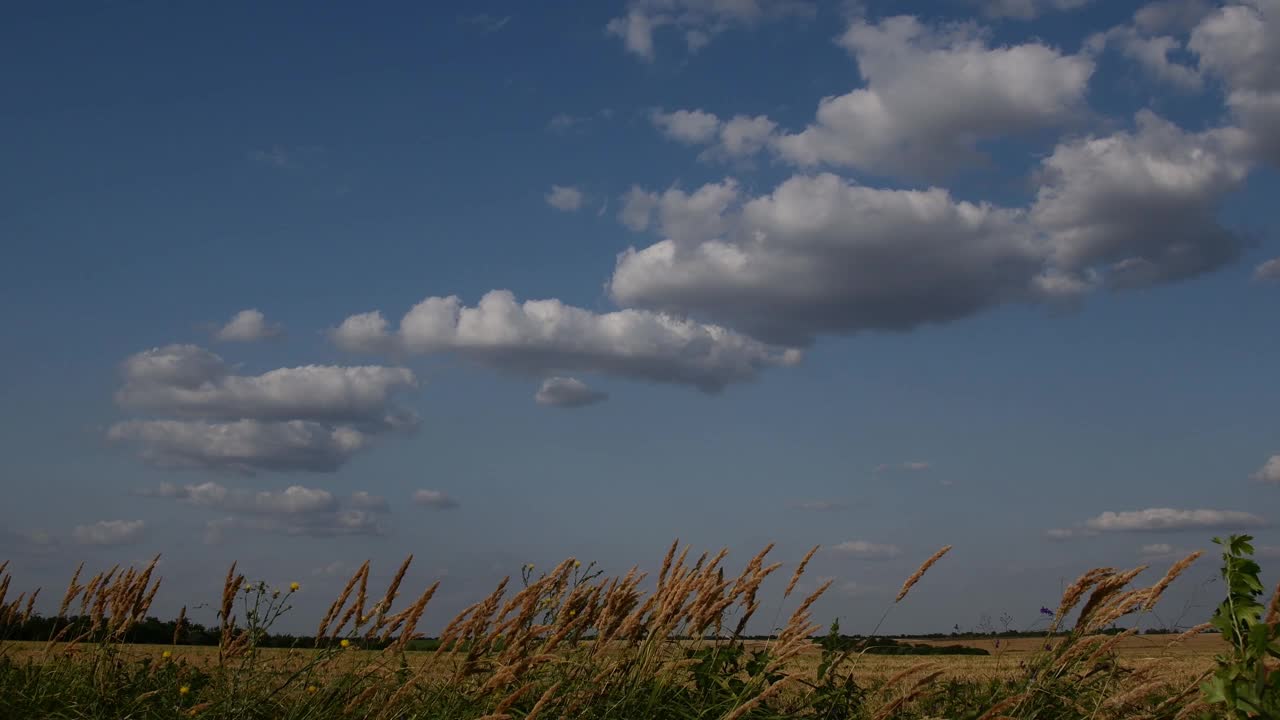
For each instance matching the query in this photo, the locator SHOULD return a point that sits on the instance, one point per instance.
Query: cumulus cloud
(1172, 519)
(109, 532)
(738, 137)
(248, 326)
(1153, 53)
(1269, 472)
(1269, 270)
(434, 499)
(295, 510)
(867, 550)
(698, 20)
(821, 255)
(547, 337)
(1176, 16)
(295, 499)
(692, 127)
(189, 381)
(908, 466)
(565, 198)
(1139, 208)
(362, 500)
(341, 523)
(241, 446)
(1156, 549)
(310, 418)
(932, 94)
(1239, 43)
(15, 542)
(568, 392)
(1028, 9)
(819, 506)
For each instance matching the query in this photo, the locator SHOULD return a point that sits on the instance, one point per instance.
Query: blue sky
(875, 276)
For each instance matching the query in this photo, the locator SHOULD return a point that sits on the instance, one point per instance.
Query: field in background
(571, 643)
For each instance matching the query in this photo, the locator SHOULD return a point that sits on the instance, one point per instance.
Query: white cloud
(188, 381)
(565, 198)
(248, 326)
(434, 499)
(1139, 208)
(1068, 533)
(1240, 43)
(932, 95)
(296, 499)
(109, 532)
(568, 392)
(691, 127)
(821, 255)
(739, 137)
(1269, 270)
(296, 510)
(743, 136)
(820, 506)
(310, 418)
(1028, 9)
(681, 216)
(243, 446)
(362, 500)
(698, 20)
(867, 550)
(1152, 52)
(908, 466)
(546, 337)
(1177, 16)
(1156, 549)
(341, 523)
(1269, 472)
(1171, 519)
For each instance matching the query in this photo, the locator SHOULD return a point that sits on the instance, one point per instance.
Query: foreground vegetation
(573, 643)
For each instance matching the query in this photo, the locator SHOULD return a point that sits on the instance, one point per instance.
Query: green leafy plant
(1241, 681)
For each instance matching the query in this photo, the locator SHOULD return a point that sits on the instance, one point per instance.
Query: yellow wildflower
(166, 654)
(345, 643)
(311, 689)
(293, 587)
(184, 690)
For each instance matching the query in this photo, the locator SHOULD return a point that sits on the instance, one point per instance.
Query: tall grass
(572, 643)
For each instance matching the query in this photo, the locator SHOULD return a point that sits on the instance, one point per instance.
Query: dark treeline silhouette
(151, 630)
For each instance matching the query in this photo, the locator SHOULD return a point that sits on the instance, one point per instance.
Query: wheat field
(572, 642)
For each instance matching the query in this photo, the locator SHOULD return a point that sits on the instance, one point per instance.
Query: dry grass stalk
(31, 601)
(1072, 595)
(795, 577)
(1273, 608)
(994, 711)
(921, 685)
(177, 626)
(765, 694)
(907, 672)
(73, 589)
(919, 573)
(361, 699)
(229, 587)
(543, 701)
(1189, 634)
(1107, 646)
(339, 603)
(1174, 571)
(1103, 590)
(1133, 695)
(414, 613)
